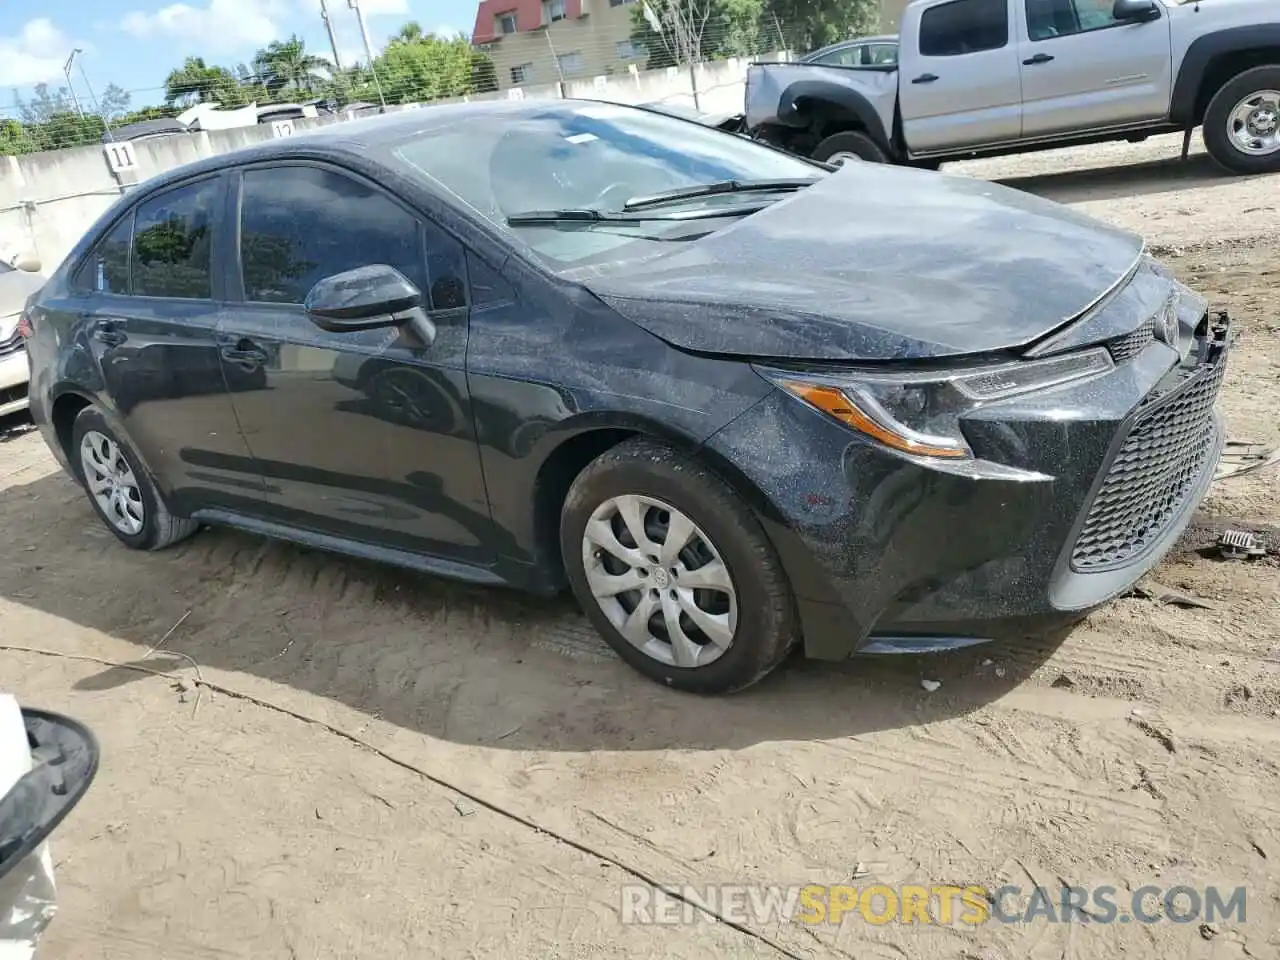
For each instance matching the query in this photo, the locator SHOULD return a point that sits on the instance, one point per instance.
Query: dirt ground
(525, 774)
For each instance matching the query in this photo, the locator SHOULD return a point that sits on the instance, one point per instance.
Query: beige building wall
(588, 46)
(592, 45)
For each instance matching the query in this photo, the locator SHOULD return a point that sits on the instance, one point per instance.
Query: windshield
(592, 156)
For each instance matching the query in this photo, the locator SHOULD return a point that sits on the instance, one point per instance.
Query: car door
(365, 435)
(1083, 70)
(959, 83)
(149, 296)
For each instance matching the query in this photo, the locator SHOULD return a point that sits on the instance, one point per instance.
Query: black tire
(851, 141)
(160, 528)
(767, 624)
(1217, 118)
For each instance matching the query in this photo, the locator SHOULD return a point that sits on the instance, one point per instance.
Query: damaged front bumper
(890, 556)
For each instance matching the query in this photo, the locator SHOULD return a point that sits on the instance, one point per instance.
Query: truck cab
(985, 77)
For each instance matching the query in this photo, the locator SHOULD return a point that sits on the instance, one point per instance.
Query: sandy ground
(525, 775)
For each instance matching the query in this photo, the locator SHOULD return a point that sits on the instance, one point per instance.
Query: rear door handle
(244, 352)
(925, 78)
(104, 331)
(1038, 58)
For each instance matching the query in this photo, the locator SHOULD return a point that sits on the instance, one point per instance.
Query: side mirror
(64, 757)
(27, 263)
(1136, 11)
(363, 299)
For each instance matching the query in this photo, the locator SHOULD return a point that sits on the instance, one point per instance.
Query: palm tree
(411, 32)
(286, 65)
(197, 82)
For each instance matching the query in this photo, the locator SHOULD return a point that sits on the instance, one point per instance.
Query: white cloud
(35, 55)
(220, 26)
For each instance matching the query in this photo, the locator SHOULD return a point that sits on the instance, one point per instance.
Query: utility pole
(333, 40)
(66, 72)
(93, 98)
(368, 48)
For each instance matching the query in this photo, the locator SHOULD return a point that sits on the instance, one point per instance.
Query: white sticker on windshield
(582, 138)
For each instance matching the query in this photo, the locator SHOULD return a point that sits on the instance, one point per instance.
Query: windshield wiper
(713, 189)
(588, 215)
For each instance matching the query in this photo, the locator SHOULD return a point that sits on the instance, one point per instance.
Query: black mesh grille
(1151, 477)
(1131, 344)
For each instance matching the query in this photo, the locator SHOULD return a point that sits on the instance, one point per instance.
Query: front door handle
(925, 78)
(104, 331)
(245, 353)
(1038, 58)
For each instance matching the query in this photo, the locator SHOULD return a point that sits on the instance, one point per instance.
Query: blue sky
(135, 43)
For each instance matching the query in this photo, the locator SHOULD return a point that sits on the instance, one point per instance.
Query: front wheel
(1242, 123)
(849, 146)
(674, 571)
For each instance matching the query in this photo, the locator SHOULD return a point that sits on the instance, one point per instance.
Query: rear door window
(173, 242)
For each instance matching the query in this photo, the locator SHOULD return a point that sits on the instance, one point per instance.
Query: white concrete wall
(48, 200)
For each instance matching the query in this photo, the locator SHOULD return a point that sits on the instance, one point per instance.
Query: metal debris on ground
(1242, 457)
(1241, 545)
(1166, 595)
(930, 685)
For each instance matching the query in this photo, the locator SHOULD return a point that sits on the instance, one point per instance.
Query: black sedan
(736, 401)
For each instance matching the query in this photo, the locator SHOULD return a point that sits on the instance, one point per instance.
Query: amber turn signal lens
(835, 403)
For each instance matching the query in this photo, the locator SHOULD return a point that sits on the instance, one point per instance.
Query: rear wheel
(673, 570)
(119, 488)
(1242, 123)
(849, 146)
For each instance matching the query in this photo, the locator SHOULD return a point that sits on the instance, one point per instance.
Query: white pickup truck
(989, 77)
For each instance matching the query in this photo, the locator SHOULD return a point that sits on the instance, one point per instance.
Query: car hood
(876, 263)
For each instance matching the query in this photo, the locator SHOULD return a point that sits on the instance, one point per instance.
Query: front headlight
(918, 413)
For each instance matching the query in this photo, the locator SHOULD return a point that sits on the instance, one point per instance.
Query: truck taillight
(24, 324)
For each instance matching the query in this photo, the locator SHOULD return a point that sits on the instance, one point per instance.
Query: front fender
(1187, 105)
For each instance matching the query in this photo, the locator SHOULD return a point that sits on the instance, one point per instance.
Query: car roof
(350, 138)
(855, 42)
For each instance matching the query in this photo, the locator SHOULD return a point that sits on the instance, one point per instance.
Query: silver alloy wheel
(111, 483)
(841, 157)
(660, 580)
(1254, 124)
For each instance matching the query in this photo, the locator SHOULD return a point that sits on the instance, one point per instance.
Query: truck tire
(851, 144)
(1242, 124)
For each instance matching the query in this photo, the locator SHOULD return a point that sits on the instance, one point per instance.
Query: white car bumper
(14, 374)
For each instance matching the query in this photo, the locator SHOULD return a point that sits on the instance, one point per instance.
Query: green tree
(114, 102)
(411, 32)
(144, 113)
(50, 121)
(15, 139)
(810, 24)
(697, 30)
(197, 82)
(285, 65)
(426, 68)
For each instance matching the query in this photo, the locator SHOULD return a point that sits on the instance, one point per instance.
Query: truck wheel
(1242, 124)
(850, 145)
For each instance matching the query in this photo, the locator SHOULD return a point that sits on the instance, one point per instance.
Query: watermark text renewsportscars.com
(943, 904)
